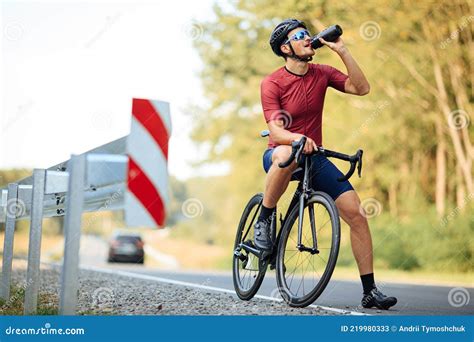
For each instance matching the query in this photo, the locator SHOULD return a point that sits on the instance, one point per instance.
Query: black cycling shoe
(378, 299)
(262, 236)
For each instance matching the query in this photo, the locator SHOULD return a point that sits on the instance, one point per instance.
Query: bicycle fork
(304, 196)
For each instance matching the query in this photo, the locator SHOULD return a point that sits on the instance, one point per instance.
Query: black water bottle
(330, 35)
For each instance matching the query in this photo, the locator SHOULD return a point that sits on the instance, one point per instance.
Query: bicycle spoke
(248, 273)
(324, 224)
(251, 223)
(242, 281)
(296, 251)
(314, 270)
(294, 270)
(305, 276)
(249, 279)
(302, 282)
(309, 263)
(325, 261)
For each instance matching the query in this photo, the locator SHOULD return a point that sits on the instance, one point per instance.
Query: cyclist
(292, 100)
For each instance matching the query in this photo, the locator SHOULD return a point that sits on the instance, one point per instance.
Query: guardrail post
(72, 237)
(34, 248)
(10, 220)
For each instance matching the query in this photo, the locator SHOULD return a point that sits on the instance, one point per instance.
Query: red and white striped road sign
(147, 197)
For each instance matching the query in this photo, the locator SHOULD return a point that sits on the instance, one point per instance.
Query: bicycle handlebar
(355, 160)
(296, 149)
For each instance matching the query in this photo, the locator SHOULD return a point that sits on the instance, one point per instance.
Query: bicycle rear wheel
(303, 274)
(248, 270)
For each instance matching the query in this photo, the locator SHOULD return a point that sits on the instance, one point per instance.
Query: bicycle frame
(302, 194)
(304, 198)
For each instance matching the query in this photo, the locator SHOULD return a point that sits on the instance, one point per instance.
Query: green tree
(414, 126)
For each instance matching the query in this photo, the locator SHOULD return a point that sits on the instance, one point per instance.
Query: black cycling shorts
(323, 174)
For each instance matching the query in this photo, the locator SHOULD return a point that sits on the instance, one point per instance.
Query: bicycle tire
(247, 293)
(291, 223)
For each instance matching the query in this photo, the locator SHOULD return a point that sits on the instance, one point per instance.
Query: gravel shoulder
(109, 294)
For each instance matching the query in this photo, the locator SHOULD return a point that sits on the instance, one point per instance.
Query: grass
(189, 254)
(47, 304)
(409, 277)
(50, 245)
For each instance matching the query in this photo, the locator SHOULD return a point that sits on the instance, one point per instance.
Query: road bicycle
(306, 248)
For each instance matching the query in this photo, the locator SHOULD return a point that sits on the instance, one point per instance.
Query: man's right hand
(310, 145)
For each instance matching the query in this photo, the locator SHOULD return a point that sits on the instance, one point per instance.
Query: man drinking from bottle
(292, 100)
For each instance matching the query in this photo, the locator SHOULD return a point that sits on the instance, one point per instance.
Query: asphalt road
(345, 295)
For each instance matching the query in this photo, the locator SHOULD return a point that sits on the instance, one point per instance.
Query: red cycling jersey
(298, 99)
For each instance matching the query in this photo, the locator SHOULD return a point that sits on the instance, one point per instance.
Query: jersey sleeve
(336, 78)
(270, 97)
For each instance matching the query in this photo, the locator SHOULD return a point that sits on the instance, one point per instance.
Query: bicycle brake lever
(298, 154)
(359, 166)
(300, 147)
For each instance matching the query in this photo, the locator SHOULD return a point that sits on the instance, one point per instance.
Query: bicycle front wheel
(248, 270)
(303, 271)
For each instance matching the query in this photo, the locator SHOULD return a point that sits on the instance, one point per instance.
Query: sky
(69, 71)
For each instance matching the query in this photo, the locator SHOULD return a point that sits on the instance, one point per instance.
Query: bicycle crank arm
(251, 249)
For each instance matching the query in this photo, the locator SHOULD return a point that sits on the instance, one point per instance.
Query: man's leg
(278, 178)
(348, 204)
(276, 183)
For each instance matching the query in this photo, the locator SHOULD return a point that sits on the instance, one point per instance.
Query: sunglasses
(300, 35)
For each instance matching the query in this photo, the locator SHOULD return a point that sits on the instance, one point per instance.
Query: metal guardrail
(57, 178)
(92, 181)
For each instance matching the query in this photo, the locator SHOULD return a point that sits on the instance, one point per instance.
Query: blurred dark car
(126, 247)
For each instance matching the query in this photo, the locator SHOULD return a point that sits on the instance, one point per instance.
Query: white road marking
(205, 287)
(166, 260)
